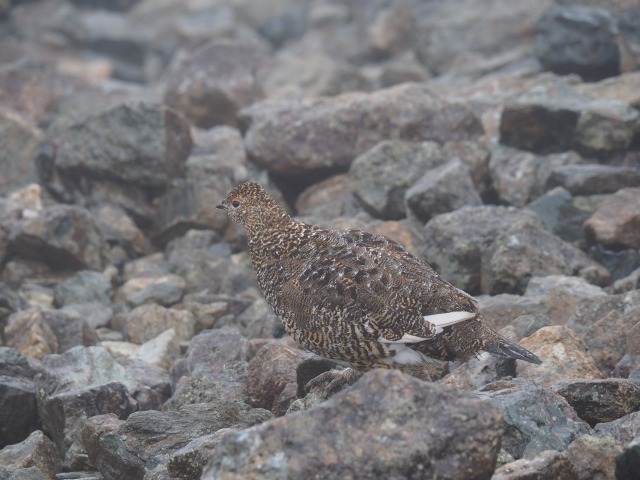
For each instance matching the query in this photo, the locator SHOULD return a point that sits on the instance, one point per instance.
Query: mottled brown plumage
(356, 297)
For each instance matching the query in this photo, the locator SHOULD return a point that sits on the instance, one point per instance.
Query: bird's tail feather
(506, 348)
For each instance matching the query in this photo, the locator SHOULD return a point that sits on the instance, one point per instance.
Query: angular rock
(270, 372)
(14, 364)
(563, 356)
(593, 179)
(165, 290)
(597, 401)
(628, 462)
(548, 464)
(118, 228)
(413, 423)
(616, 221)
(65, 237)
(94, 314)
(623, 429)
(326, 134)
(218, 151)
(213, 367)
(594, 457)
(139, 144)
(20, 143)
(188, 462)
(83, 287)
(215, 82)
(607, 126)
(393, 29)
(479, 371)
(380, 177)
(35, 451)
(153, 387)
(148, 321)
(28, 332)
(147, 440)
(535, 419)
(70, 329)
(578, 39)
(443, 189)
(160, 351)
(18, 409)
(328, 199)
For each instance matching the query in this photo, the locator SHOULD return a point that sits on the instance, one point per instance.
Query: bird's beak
(221, 206)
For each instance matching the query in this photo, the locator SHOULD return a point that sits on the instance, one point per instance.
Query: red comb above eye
(234, 199)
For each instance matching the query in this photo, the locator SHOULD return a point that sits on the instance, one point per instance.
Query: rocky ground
(498, 140)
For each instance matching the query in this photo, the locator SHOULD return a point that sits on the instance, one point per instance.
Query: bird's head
(252, 207)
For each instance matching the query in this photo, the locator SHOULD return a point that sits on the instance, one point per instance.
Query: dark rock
(215, 82)
(20, 143)
(165, 290)
(623, 429)
(628, 283)
(325, 441)
(18, 409)
(70, 329)
(443, 189)
(148, 321)
(548, 464)
(116, 6)
(578, 39)
(564, 356)
(29, 333)
(309, 368)
(84, 286)
(616, 221)
(118, 228)
(149, 439)
(213, 367)
(153, 387)
(380, 177)
(594, 457)
(597, 401)
(269, 373)
(139, 144)
(326, 134)
(628, 462)
(65, 237)
(35, 451)
(14, 364)
(188, 462)
(593, 179)
(535, 419)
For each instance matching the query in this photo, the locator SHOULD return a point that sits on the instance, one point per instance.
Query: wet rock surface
(501, 145)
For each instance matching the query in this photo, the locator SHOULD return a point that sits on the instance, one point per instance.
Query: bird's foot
(332, 381)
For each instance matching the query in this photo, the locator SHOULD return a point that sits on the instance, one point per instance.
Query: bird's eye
(235, 203)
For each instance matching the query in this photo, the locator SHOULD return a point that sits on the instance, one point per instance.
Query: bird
(358, 298)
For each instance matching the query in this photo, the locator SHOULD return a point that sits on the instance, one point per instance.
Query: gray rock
(578, 39)
(616, 221)
(14, 364)
(18, 409)
(623, 429)
(148, 321)
(213, 367)
(187, 462)
(117, 6)
(607, 126)
(95, 314)
(597, 401)
(548, 464)
(118, 228)
(217, 151)
(20, 143)
(153, 387)
(594, 457)
(593, 179)
(70, 329)
(326, 134)
(326, 441)
(29, 333)
(148, 440)
(215, 82)
(380, 177)
(65, 237)
(479, 371)
(443, 189)
(165, 290)
(534, 419)
(84, 286)
(36, 451)
(140, 144)
(328, 199)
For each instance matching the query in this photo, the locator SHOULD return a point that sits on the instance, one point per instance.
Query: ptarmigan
(355, 297)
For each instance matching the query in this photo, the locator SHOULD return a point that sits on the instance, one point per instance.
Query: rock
(326, 134)
(328, 199)
(94, 314)
(628, 283)
(621, 88)
(548, 464)
(65, 237)
(117, 6)
(628, 461)
(401, 231)
(303, 444)
(118, 228)
(70, 329)
(83, 287)
(597, 401)
(153, 386)
(479, 371)
(29, 333)
(18, 409)
(20, 141)
(578, 39)
(14, 364)
(393, 29)
(519, 177)
(593, 179)
(563, 356)
(443, 189)
(607, 126)
(147, 440)
(501, 310)
(594, 457)
(160, 351)
(218, 151)
(270, 372)
(534, 419)
(215, 82)
(165, 290)
(35, 451)
(187, 462)
(616, 221)
(213, 367)
(603, 323)
(139, 144)
(148, 321)
(623, 429)
(380, 177)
